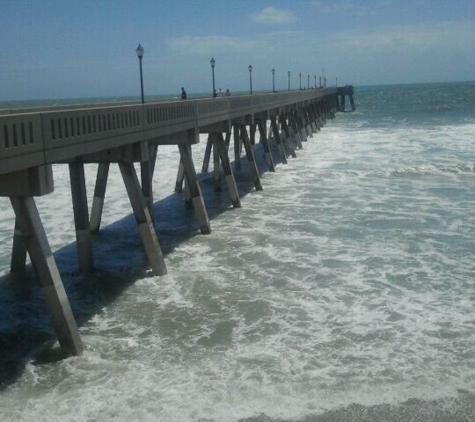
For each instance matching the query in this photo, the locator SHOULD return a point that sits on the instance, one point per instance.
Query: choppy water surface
(342, 291)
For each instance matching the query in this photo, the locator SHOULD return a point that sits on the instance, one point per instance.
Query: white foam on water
(348, 279)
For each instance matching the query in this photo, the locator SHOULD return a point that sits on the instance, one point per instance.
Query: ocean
(343, 291)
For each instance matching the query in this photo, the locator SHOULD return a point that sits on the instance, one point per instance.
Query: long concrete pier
(31, 141)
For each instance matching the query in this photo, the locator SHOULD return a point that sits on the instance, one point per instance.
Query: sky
(86, 48)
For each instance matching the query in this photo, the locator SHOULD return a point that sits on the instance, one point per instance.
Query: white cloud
(214, 44)
(454, 36)
(271, 15)
(431, 37)
(340, 7)
(387, 54)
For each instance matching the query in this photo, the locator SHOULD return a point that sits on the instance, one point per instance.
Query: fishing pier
(31, 141)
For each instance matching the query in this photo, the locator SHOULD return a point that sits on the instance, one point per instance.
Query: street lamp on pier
(315, 77)
(273, 80)
(336, 82)
(139, 52)
(288, 79)
(213, 62)
(308, 81)
(300, 77)
(250, 79)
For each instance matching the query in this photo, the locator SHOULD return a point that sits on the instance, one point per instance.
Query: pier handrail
(45, 136)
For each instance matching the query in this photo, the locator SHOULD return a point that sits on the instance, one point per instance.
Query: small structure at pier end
(342, 92)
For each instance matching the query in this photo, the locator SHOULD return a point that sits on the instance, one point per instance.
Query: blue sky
(86, 48)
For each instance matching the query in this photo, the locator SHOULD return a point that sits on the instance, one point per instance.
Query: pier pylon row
(284, 129)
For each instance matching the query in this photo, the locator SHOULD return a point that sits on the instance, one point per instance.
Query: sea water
(344, 291)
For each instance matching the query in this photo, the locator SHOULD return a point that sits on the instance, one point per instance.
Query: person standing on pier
(183, 93)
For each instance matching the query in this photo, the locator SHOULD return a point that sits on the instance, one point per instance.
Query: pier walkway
(31, 141)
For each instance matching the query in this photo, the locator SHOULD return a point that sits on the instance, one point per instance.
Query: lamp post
(139, 52)
(320, 82)
(336, 82)
(288, 79)
(250, 79)
(300, 77)
(315, 77)
(273, 80)
(213, 62)
(308, 81)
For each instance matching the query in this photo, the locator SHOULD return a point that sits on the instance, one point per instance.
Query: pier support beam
(19, 252)
(194, 188)
(295, 129)
(147, 168)
(285, 128)
(311, 120)
(250, 157)
(280, 146)
(261, 124)
(52, 288)
(209, 147)
(81, 217)
(216, 167)
(180, 177)
(99, 195)
(237, 148)
(219, 145)
(314, 114)
(142, 216)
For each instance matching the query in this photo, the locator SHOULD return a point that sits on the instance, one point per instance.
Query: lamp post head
(212, 61)
(250, 68)
(273, 71)
(139, 51)
(288, 73)
(300, 74)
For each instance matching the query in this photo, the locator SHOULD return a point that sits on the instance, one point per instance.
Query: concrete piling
(250, 157)
(142, 216)
(219, 145)
(19, 252)
(99, 195)
(81, 217)
(280, 146)
(288, 138)
(52, 288)
(261, 124)
(194, 188)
